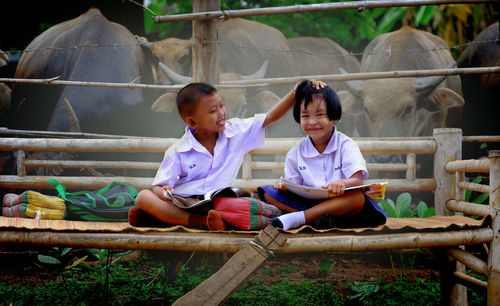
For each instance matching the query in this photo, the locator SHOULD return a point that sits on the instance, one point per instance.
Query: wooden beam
(206, 54)
(221, 285)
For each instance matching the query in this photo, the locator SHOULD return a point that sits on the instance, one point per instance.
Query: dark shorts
(372, 214)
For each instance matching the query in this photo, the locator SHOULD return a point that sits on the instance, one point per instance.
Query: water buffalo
(87, 48)
(404, 106)
(4, 92)
(481, 91)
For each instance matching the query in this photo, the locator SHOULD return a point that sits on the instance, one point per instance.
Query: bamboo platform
(396, 233)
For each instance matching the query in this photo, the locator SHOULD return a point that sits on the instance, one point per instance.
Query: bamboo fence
(306, 8)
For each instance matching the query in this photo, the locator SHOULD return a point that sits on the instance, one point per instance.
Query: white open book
(373, 190)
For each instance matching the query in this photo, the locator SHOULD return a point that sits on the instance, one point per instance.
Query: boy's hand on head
(318, 84)
(336, 188)
(161, 192)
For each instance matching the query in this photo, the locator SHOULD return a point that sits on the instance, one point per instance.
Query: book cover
(373, 190)
(205, 204)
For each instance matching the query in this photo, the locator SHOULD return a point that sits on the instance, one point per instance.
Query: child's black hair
(305, 91)
(189, 95)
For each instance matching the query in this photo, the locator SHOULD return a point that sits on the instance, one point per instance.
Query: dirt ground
(348, 267)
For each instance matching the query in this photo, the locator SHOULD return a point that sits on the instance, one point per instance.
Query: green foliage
(363, 290)
(324, 266)
(402, 209)
(479, 199)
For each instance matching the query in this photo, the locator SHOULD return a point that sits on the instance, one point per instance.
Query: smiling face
(209, 117)
(315, 123)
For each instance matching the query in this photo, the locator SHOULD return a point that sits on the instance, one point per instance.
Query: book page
(373, 190)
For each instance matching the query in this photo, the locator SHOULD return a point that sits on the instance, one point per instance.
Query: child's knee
(142, 197)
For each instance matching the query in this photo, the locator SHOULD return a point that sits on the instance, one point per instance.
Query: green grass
(144, 282)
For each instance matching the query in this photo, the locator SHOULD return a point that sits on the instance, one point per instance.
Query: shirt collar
(188, 141)
(310, 151)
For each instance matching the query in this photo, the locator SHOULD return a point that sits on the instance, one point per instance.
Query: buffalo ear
(441, 99)
(446, 100)
(353, 120)
(165, 103)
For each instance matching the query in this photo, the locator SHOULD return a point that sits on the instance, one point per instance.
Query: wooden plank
(220, 286)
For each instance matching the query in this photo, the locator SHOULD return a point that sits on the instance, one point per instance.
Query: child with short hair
(208, 156)
(326, 159)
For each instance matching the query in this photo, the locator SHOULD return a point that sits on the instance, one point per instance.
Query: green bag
(110, 203)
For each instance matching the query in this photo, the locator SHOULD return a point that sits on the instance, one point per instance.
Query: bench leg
(452, 293)
(493, 288)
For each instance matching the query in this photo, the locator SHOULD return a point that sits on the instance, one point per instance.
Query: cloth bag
(110, 203)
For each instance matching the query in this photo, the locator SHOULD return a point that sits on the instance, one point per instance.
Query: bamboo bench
(443, 235)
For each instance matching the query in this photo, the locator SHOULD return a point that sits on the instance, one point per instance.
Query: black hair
(305, 91)
(189, 95)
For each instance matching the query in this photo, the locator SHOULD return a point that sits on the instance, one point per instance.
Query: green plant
(479, 199)
(59, 260)
(362, 290)
(402, 209)
(324, 266)
(106, 261)
(286, 270)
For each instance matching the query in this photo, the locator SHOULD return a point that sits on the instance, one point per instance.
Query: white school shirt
(190, 169)
(340, 160)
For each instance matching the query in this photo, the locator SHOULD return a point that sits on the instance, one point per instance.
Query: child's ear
(336, 121)
(190, 121)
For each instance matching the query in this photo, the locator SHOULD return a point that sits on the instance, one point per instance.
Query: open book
(205, 204)
(374, 190)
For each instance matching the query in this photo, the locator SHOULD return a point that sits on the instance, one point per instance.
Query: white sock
(292, 220)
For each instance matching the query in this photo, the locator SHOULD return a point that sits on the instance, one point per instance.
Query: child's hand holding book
(335, 188)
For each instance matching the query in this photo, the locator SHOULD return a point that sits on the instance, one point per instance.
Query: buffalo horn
(259, 74)
(355, 86)
(74, 123)
(174, 76)
(425, 85)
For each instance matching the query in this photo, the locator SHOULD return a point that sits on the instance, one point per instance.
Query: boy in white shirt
(327, 159)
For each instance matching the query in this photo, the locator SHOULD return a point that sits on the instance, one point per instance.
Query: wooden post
(449, 148)
(220, 286)
(206, 54)
(493, 288)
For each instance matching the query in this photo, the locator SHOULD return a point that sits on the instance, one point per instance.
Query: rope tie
(257, 242)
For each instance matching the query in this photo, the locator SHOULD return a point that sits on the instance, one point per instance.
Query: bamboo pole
(270, 146)
(470, 280)
(366, 76)
(487, 138)
(132, 145)
(474, 187)
(469, 208)
(52, 134)
(469, 260)
(90, 164)
(494, 253)
(306, 8)
(411, 161)
(88, 182)
(271, 165)
(470, 165)
(266, 82)
(227, 243)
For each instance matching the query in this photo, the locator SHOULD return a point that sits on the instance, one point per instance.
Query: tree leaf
(76, 262)
(481, 198)
(48, 260)
(421, 209)
(391, 213)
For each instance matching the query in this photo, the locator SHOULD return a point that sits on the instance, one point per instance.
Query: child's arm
(338, 187)
(284, 105)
